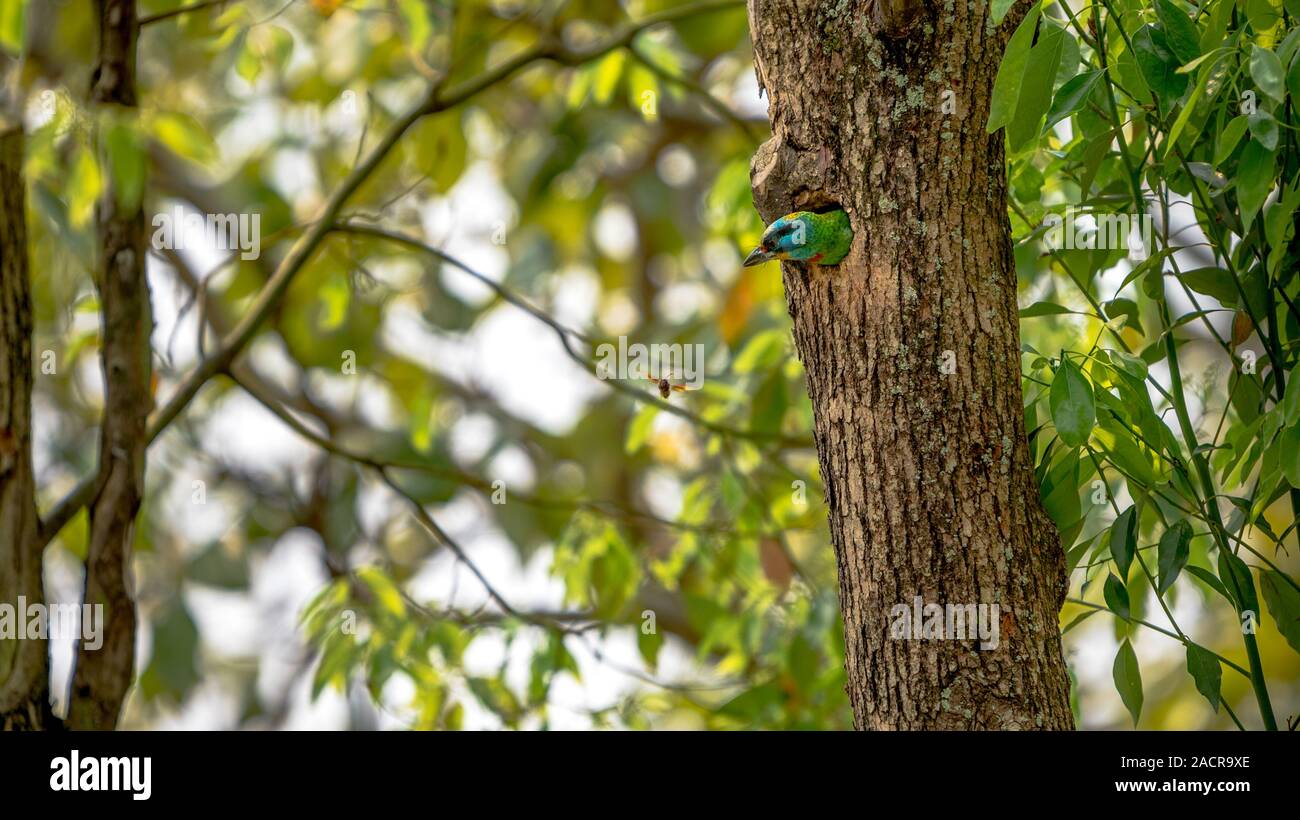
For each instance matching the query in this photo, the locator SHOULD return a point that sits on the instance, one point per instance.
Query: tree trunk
(911, 348)
(102, 677)
(24, 668)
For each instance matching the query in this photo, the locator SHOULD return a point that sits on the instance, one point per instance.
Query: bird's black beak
(758, 256)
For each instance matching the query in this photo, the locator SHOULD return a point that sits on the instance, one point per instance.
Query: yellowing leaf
(12, 24)
(608, 71)
(416, 22)
(184, 137)
(85, 182)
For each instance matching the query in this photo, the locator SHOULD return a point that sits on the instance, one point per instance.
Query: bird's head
(787, 238)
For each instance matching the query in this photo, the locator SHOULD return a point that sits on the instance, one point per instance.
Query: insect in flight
(666, 388)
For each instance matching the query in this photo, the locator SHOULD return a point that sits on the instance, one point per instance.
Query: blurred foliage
(612, 196)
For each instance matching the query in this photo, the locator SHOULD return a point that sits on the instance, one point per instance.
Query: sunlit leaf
(1073, 410)
(1128, 679)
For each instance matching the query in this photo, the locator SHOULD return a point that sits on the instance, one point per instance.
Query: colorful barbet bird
(804, 236)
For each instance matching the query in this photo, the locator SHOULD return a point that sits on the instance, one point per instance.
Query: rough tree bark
(102, 677)
(24, 672)
(929, 485)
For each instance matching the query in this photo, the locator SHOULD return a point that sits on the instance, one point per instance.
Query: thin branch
(177, 12)
(1161, 630)
(566, 336)
(271, 294)
(713, 103)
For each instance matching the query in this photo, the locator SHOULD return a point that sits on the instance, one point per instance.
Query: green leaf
(762, 352)
(1228, 138)
(1158, 65)
(1043, 309)
(184, 137)
(1172, 553)
(1254, 180)
(1266, 71)
(1289, 454)
(1123, 540)
(1263, 14)
(608, 72)
(770, 403)
(615, 574)
(638, 431)
(1291, 402)
(278, 45)
(1074, 411)
(1070, 56)
(1293, 79)
(1264, 128)
(496, 697)
(1116, 595)
(12, 24)
(1123, 449)
(1180, 31)
(219, 567)
(1208, 578)
(642, 91)
(1128, 309)
(1283, 601)
(416, 23)
(649, 644)
(386, 593)
(1036, 90)
(1206, 672)
(999, 10)
(1188, 68)
(172, 669)
(1213, 282)
(1279, 226)
(1186, 114)
(1236, 579)
(1128, 679)
(1128, 363)
(336, 294)
(1071, 96)
(83, 187)
(1011, 72)
(1060, 490)
(248, 65)
(438, 148)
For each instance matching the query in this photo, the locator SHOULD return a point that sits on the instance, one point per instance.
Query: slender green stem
(1184, 641)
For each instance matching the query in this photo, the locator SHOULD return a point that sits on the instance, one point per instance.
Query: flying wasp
(666, 387)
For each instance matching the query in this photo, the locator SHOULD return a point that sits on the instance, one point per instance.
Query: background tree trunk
(102, 677)
(929, 483)
(24, 668)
